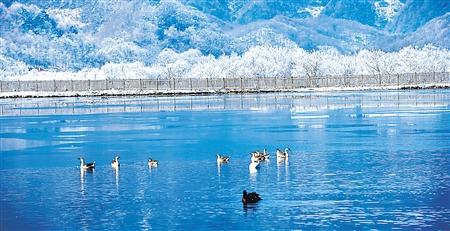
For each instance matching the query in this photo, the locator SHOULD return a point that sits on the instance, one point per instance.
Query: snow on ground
(115, 92)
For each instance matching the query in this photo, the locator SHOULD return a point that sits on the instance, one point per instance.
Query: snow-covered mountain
(75, 34)
(435, 31)
(416, 13)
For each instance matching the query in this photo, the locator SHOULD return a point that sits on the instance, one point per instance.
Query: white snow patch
(314, 11)
(115, 92)
(66, 17)
(18, 6)
(388, 8)
(310, 117)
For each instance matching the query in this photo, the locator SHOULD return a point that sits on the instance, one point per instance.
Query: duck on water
(84, 165)
(222, 159)
(152, 163)
(115, 163)
(283, 155)
(250, 198)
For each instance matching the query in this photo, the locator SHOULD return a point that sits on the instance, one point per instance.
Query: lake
(359, 160)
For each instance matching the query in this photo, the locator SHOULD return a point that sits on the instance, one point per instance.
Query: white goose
(115, 163)
(84, 165)
(283, 155)
(152, 162)
(222, 159)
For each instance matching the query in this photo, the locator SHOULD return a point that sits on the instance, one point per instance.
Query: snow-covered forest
(258, 61)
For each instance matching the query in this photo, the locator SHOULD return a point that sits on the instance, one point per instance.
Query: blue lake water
(360, 160)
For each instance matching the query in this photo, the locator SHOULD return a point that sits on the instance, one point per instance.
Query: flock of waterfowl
(114, 163)
(256, 158)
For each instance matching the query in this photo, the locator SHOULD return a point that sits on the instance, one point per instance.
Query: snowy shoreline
(137, 92)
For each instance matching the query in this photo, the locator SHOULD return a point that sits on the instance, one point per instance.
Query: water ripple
(388, 170)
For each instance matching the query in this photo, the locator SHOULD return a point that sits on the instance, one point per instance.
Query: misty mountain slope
(345, 35)
(347, 10)
(417, 13)
(248, 11)
(436, 31)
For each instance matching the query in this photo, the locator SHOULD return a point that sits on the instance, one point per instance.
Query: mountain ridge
(78, 34)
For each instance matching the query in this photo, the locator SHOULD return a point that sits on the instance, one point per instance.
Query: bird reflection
(253, 176)
(116, 169)
(253, 167)
(218, 169)
(280, 165)
(249, 208)
(83, 173)
(152, 170)
(284, 162)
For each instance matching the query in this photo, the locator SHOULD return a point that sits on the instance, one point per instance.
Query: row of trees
(268, 61)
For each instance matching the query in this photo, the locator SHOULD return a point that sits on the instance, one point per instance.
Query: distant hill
(75, 34)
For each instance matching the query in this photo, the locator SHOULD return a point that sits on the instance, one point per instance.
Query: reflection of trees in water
(297, 101)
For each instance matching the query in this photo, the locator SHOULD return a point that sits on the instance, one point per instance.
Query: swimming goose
(152, 162)
(222, 159)
(283, 155)
(84, 165)
(259, 156)
(252, 197)
(255, 156)
(115, 163)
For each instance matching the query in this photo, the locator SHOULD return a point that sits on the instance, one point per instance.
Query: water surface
(360, 160)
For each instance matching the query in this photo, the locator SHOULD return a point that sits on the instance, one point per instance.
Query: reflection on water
(219, 166)
(250, 209)
(296, 102)
(116, 170)
(360, 160)
(83, 173)
(253, 168)
(10, 144)
(283, 170)
(283, 161)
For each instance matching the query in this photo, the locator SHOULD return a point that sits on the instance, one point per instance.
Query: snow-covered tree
(257, 62)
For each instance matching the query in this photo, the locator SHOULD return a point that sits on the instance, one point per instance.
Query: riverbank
(118, 92)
